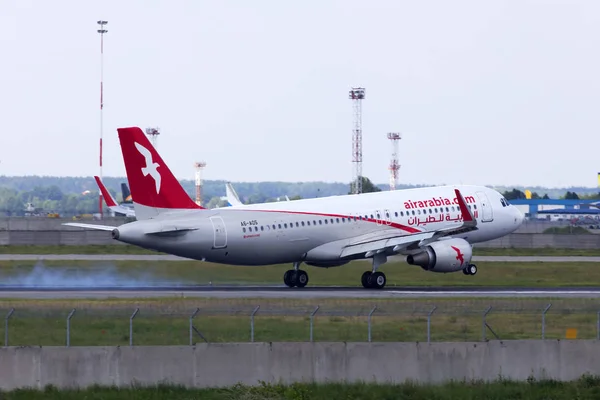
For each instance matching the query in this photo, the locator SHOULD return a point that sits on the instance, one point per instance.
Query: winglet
(464, 210)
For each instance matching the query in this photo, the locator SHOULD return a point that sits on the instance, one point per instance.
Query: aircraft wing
(90, 226)
(384, 241)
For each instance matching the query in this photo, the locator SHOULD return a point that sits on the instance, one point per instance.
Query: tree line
(79, 195)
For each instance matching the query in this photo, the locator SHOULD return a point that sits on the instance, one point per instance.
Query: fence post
(371, 313)
(429, 324)
(311, 322)
(12, 310)
(486, 312)
(252, 323)
(131, 326)
(69, 327)
(192, 326)
(544, 320)
(598, 327)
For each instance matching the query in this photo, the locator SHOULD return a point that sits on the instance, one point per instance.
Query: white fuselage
(316, 230)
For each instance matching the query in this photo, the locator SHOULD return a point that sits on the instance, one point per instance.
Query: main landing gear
(295, 277)
(471, 269)
(375, 279)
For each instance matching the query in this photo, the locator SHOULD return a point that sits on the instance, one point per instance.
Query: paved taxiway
(284, 292)
(160, 257)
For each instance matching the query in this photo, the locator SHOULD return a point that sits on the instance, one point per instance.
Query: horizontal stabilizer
(170, 231)
(91, 226)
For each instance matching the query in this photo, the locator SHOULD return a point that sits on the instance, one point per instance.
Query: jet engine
(444, 256)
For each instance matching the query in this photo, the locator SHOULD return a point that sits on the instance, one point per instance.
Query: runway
(15, 292)
(161, 257)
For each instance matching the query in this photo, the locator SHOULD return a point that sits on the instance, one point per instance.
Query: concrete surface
(217, 365)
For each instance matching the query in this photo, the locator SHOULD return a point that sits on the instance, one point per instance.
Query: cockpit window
(504, 202)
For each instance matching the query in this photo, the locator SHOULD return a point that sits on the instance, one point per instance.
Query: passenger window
(285, 225)
(256, 229)
(297, 225)
(396, 214)
(279, 226)
(302, 223)
(337, 220)
(378, 216)
(475, 206)
(435, 209)
(320, 222)
(331, 220)
(244, 230)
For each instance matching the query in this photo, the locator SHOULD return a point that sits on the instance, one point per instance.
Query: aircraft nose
(519, 216)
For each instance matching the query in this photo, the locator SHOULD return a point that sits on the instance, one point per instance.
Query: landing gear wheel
(286, 277)
(301, 278)
(373, 280)
(378, 280)
(364, 279)
(294, 278)
(470, 270)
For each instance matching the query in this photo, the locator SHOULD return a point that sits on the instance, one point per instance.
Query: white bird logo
(150, 167)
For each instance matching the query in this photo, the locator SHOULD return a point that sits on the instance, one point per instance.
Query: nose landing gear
(471, 269)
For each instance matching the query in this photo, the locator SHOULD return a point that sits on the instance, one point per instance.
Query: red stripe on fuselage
(381, 222)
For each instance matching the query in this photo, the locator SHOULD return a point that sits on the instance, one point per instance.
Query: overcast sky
(502, 92)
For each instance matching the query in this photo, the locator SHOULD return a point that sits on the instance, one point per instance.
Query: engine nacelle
(444, 256)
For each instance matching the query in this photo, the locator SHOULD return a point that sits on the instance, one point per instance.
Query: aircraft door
(487, 214)
(220, 232)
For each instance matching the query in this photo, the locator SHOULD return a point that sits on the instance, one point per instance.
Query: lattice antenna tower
(153, 134)
(357, 95)
(199, 165)
(394, 164)
(101, 31)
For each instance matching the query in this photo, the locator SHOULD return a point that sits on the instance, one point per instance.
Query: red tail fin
(151, 182)
(105, 193)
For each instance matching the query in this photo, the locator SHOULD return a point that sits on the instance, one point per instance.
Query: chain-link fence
(120, 325)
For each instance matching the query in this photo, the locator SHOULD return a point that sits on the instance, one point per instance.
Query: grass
(129, 249)
(587, 387)
(166, 321)
(152, 273)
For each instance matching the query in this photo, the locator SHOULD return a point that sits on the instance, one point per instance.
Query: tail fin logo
(151, 166)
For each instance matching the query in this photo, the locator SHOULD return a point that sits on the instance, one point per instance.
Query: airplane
(126, 194)
(111, 202)
(434, 227)
(233, 198)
